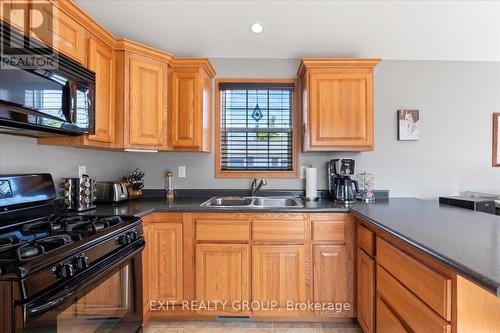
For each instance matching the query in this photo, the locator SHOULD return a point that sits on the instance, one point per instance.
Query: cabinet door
(279, 274)
(146, 267)
(147, 107)
(101, 60)
(365, 291)
(222, 274)
(340, 111)
(387, 322)
(57, 29)
(166, 262)
(16, 13)
(185, 110)
(334, 279)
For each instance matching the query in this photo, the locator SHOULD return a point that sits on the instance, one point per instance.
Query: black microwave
(42, 100)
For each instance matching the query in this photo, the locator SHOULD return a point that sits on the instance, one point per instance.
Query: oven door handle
(49, 305)
(93, 275)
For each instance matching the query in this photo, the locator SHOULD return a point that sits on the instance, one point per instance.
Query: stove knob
(81, 262)
(64, 271)
(124, 239)
(134, 235)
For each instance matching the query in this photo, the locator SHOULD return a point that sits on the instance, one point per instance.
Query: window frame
(249, 174)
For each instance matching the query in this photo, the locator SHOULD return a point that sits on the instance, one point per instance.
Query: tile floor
(248, 327)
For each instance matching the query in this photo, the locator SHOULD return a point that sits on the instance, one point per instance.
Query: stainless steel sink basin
(276, 202)
(252, 202)
(227, 202)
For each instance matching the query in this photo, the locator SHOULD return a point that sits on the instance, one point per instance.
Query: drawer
(366, 240)
(328, 231)
(227, 230)
(430, 286)
(413, 312)
(387, 320)
(278, 230)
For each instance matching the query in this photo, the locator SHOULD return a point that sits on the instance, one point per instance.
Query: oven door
(106, 298)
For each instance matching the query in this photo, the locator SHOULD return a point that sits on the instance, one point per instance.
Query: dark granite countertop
(466, 241)
(147, 205)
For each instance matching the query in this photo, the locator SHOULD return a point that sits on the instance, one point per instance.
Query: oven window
(111, 305)
(102, 308)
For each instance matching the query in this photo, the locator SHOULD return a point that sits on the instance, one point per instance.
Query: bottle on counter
(169, 186)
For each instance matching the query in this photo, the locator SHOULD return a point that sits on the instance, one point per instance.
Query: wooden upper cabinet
(190, 95)
(337, 104)
(16, 13)
(146, 102)
(141, 94)
(57, 29)
(101, 60)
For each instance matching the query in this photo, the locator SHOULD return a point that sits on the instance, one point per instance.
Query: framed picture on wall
(408, 125)
(495, 161)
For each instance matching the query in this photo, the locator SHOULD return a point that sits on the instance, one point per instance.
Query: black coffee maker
(342, 188)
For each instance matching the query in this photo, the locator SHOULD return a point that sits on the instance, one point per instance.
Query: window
(256, 128)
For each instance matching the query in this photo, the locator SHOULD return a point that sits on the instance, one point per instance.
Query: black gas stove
(65, 270)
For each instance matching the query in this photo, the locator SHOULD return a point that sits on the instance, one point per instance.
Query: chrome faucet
(256, 187)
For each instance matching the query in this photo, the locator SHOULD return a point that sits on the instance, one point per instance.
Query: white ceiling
(416, 30)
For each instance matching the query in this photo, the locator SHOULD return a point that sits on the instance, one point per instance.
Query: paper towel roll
(311, 183)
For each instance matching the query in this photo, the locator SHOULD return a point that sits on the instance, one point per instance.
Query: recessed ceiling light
(257, 28)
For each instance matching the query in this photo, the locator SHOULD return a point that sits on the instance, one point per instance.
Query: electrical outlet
(182, 171)
(82, 170)
(303, 172)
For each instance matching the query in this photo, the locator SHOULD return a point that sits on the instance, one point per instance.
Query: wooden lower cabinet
(279, 275)
(365, 280)
(228, 258)
(166, 262)
(413, 312)
(146, 267)
(387, 322)
(333, 280)
(222, 275)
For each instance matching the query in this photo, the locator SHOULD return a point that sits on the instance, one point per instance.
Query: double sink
(252, 202)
